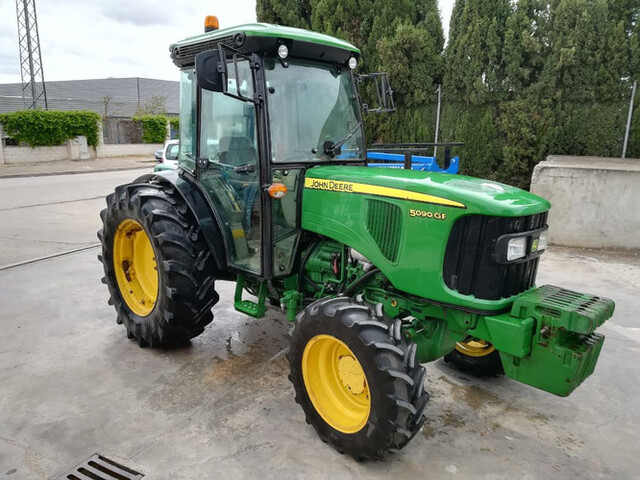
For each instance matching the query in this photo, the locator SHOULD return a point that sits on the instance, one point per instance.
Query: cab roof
(265, 38)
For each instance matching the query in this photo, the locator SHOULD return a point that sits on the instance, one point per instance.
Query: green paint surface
(417, 267)
(268, 30)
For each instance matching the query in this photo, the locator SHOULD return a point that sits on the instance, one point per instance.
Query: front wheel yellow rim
(336, 383)
(475, 348)
(134, 262)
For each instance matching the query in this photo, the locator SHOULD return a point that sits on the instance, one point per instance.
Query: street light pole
(626, 133)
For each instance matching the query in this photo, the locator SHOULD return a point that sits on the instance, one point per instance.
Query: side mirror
(172, 154)
(217, 73)
(382, 92)
(209, 70)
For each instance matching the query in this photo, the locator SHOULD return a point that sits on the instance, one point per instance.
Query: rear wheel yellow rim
(134, 262)
(475, 348)
(336, 383)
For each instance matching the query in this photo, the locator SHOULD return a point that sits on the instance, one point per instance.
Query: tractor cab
(259, 105)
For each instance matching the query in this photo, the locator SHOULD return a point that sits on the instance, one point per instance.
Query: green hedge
(48, 128)
(154, 128)
(175, 123)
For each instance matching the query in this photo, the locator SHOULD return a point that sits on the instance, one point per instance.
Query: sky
(118, 38)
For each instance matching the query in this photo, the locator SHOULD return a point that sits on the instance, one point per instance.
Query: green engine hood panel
(356, 206)
(477, 195)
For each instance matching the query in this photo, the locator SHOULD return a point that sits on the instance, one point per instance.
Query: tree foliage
(49, 128)
(154, 105)
(174, 123)
(562, 89)
(588, 55)
(402, 37)
(154, 128)
(521, 79)
(475, 64)
(294, 13)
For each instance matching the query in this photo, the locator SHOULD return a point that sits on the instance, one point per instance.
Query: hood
(456, 191)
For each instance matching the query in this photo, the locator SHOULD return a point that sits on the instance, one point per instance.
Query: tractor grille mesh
(384, 223)
(187, 53)
(469, 265)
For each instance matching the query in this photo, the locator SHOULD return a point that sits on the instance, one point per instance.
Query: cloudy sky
(118, 38)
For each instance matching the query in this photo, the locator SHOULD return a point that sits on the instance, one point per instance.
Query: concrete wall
(595, 201)
(27, 155)
(128, 150)
(73, 150)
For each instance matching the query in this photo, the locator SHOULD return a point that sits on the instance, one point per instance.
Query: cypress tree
(525, 46)
(401, 37)
(347, 19)
(474, 82)
(293, 13)
(588, 55)
(412, 56)
(524, 115)
(474, 56)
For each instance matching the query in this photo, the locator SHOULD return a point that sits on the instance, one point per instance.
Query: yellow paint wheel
(135, 267)
(477, 357)
(356, 378)
(336, 383)
(475, 348)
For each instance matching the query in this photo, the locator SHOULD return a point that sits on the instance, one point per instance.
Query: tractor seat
(237, 151)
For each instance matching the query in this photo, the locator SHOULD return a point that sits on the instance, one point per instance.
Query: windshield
(311, 106)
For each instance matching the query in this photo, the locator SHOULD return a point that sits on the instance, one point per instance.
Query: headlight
(283, 51)
(522, 246)
(516, 248)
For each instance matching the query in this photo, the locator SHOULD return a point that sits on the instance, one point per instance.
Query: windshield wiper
(333, 149)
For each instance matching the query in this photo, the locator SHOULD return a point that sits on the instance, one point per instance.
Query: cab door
(228, 165)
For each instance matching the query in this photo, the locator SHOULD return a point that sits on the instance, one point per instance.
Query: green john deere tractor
(380, 270)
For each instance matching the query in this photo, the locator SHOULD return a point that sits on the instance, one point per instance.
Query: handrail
(409, 148)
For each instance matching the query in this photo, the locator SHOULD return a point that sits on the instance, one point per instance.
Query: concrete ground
(71, 384)
(46, 215)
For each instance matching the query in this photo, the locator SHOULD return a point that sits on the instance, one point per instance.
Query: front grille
(384, 224)
(186, 54)
(469, 264)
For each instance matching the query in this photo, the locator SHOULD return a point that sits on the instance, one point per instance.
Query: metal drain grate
(98, 467)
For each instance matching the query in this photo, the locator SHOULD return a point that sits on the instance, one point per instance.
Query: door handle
(247, 168)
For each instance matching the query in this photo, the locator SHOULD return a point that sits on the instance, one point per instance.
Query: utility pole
(435, 148)
(34, 94)
(626, 133)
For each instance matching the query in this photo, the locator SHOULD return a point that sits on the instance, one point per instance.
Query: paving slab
(71, 384)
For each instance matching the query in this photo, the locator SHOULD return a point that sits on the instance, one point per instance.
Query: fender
(206, 217)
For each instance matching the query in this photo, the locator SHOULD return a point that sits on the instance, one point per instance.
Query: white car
(169, 153)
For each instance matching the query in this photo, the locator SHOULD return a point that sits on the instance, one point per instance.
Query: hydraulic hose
(351, 289)
(303, 263)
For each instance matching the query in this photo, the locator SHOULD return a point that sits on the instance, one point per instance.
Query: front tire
(157, 265)
(356, 378)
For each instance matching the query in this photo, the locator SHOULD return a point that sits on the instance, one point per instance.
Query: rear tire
(476, 357)
(356, 378)
(184, 285)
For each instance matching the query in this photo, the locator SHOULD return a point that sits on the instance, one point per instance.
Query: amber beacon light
(211, 23)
